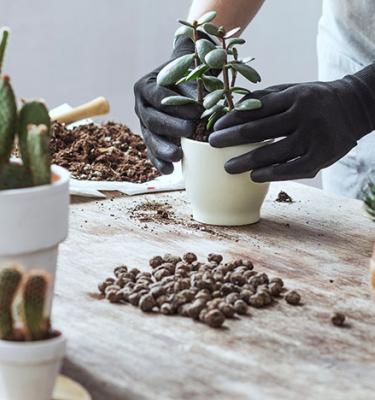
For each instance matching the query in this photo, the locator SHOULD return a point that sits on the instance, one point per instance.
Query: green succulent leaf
(203, 47)
(175, 70)
(196, 73)
(177, 101)
(369, 200)
(232, 32)
(185, 23)
(211, 29)
(235, 42)
(3, 45)
(212, 110)
(208, 17)
(248, 72)
(214, 117)
(212, 83)
(240, 90)
(248, 105)
(213, 98)
(216, 58)
(184, 31)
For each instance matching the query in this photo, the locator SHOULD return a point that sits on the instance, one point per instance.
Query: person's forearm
(230, 13)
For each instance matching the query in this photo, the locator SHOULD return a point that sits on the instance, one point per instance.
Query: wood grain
(318, 244)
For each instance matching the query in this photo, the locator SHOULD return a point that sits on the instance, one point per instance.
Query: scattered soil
(209, 291)
(162, 213)
(107, 152)
(283, 197)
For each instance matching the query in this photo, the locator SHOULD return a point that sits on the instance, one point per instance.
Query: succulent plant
(31, 126)
(32, 288)
(215, 94)
(369, 199)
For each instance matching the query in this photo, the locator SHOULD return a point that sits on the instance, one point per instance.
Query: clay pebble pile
(107, 152)
(209, 292)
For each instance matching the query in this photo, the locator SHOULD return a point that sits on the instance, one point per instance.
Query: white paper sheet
(95, 189)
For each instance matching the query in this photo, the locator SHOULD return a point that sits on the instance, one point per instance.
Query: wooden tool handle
(98, 106)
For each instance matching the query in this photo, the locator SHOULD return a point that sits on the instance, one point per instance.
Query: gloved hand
(318, 123)
(164, 125)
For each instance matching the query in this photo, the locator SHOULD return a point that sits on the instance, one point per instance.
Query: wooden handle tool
(98, 106)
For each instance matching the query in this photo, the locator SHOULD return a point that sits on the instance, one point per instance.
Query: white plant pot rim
(36, 352)
(199, 143)
(61, 172)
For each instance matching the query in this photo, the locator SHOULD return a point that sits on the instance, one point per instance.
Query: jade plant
(369, 200)
(30, 128)
(204, 65)
(23, 299)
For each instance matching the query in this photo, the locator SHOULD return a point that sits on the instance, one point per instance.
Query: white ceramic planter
(218, 198)
(28, 370)
(33, 221)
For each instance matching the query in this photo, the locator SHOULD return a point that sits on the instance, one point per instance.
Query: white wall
(74, 50)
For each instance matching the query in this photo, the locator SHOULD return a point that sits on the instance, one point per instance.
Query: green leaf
(216, 58)
(240, 90)
(185, 23)
(214, 117)
(211, 83)
(175, 70)
(212, 110)
(3, 45)
(213, 98)
(232, 32)
(211, 29)
(247, 105)
(204, 46)
(235, 42)
(247, 60)
(248, 72)
(184, 31)
(208, 17)
(177, 101)
(196, 73)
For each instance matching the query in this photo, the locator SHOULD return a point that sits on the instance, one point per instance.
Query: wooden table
(319, 244)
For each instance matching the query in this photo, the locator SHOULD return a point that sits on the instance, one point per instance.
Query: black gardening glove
(318, 122)
(164, 125)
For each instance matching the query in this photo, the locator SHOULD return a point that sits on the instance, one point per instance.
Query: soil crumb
(283, 197)
(107, 152)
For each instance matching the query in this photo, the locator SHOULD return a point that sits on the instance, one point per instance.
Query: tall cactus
(10, 279)
(32, 126)
(34, 296)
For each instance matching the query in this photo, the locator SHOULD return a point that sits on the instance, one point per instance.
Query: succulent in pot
(34, 196)
(217, 197)
(31, 352)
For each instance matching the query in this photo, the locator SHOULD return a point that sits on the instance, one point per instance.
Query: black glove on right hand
(163, 125)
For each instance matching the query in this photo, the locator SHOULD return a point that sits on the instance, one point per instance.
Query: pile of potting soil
(107, 152)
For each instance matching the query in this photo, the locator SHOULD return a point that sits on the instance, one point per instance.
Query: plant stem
(227, 87)
(197, 63)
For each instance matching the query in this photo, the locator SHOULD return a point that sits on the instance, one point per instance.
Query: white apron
(346, 44)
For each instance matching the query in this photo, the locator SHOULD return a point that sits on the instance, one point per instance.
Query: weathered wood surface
(319, 244)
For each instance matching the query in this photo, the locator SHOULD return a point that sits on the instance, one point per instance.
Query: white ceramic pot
(33, 221)
(219, 198)
(28, 370)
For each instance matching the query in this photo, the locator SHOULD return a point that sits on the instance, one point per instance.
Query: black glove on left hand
(318, 122)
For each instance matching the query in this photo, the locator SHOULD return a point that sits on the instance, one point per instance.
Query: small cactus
(33, 287)
(34, 296)
(32, 127)
(10, 279)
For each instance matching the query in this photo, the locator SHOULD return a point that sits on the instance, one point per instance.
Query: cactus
(10, 279)
(33, 287)
(34, 296)
(31, 127)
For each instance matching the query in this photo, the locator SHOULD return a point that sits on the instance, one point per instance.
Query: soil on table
(107, 152)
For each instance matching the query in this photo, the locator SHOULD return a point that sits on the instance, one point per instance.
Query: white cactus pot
(28, 370)
(219, 198)
(33, 221)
